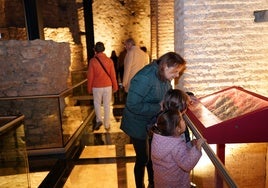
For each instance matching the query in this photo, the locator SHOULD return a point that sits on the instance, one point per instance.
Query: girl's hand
(198, 143)
(192, 100)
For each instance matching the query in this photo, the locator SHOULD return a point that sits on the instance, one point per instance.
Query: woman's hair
(175, 99)
(170, 59)
(167, 122)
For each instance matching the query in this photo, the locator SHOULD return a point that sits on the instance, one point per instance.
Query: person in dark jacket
(147, 89)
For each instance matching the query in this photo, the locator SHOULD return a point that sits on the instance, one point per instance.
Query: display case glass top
(232, 115)
(232, 103)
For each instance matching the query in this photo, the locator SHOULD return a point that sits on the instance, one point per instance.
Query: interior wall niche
(261, 16)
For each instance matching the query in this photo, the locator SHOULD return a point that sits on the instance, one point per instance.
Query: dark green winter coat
(143, 101)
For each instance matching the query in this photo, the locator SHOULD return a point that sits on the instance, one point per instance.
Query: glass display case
(52, 122)
(14, 168)
(232, 115)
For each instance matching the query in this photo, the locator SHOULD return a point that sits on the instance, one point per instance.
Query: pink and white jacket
(172, 161)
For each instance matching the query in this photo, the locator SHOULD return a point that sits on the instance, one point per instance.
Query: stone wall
(33, 67)
(154, 19)
(63, 21)
(115, 22)
(165, 26)
(42, 122)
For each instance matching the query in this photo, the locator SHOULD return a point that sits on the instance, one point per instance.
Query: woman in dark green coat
(146, 92)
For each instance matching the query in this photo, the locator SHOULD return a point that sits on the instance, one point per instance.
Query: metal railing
(222, 171)
(65, 92)
(13, 155)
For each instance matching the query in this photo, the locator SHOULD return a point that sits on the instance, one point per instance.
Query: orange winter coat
(97, 77)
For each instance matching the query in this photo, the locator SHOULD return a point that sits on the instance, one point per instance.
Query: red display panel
(232, 115)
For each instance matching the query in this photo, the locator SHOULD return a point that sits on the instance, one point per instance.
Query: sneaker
(107, 128)
(97, 125)
(193, 185)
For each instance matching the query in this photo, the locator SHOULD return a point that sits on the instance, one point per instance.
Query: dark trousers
(143, 159)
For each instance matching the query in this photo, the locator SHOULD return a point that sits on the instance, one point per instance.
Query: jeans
(143, 159)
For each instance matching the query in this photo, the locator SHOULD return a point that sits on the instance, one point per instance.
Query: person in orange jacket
(102, 83)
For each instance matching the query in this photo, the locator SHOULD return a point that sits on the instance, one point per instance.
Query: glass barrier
(13, 154)
(78, 77)
(51, 121)
(209, 164)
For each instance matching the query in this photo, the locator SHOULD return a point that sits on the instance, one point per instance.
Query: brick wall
(222, 44)
(224, 47)
(154, 29)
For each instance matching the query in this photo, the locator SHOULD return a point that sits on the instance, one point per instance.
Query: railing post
(221, 154)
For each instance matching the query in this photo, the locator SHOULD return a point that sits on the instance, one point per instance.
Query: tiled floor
(102, 162)
(21, 180)
(106, 161)
(93, 175)
(107, 173)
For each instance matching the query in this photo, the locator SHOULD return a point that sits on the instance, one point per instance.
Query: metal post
(88, 16)
(33, 19)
